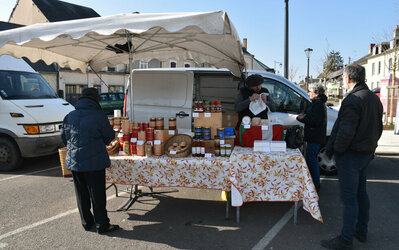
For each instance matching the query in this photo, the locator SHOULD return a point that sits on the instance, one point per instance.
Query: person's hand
(254, 97)
(264, 98)
(300, 116)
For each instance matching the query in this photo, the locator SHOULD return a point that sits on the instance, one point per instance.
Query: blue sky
(348, 26)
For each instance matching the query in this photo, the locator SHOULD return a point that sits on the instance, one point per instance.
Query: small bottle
(194, 148)
(223, 150)
(202, 148)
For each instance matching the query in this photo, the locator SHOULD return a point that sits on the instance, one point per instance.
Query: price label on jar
(171, 132)
(120, 153)
(172, 152)
(120, 135)
(221, 141)
(207, 115)
(247, 126)
(265, 127)
(208, 155)
(133, 140)
(195, 114)
(157, 142)
(140, 142)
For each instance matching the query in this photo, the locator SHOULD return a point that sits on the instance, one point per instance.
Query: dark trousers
(90, 190)
(352, 174)
(313, 164)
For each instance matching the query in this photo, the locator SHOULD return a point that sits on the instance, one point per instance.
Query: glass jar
(220, 133)
(172, 123)
(159, 123)
(223, 150)
(152, 122)
(148, 149)
(228, 150)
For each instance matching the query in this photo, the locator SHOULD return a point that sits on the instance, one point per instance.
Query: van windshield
(24, 85)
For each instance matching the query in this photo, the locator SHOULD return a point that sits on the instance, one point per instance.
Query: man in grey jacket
(86, 132)
(353, 142)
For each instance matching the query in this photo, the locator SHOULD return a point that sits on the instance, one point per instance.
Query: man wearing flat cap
(250, 92)
(86, 131)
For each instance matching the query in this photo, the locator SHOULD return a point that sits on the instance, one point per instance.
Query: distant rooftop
(56, 11)
(8, 26)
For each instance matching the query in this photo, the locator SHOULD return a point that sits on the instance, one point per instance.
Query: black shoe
(337, 243)
(88, 227)
(108, 229)
(360, 237)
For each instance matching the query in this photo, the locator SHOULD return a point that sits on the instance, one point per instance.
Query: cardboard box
(230, 119)
(212, 120)
(168, 133)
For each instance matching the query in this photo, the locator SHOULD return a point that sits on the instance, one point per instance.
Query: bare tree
(292, 72)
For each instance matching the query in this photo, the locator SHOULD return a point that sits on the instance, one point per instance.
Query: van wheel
(10, 157)
(327, 166)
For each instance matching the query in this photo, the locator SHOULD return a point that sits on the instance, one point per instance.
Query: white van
(31, 114)
(170, 92)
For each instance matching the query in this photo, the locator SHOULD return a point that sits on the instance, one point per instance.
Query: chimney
(371, 48)
(245, 43)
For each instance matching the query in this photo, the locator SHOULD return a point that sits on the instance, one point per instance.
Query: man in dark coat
(86, 132)
(250, 92)
(315, 120)
(353, 142)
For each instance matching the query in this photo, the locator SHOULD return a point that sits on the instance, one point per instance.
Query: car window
(103, 97)
(112, 97)
(285, 99)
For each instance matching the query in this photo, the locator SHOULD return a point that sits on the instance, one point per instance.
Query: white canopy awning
(200, 37)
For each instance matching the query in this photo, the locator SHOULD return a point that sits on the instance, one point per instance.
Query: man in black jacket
(353, 142)
(250, 92)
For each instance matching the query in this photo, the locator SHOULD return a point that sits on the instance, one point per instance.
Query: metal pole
(307, 78)
(286, 42)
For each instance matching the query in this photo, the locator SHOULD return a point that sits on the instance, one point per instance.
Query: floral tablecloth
(162, 171)
(273, 176)
(250, 176)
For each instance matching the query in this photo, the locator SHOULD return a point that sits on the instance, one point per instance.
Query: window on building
(143, 65)
(111, 69)
(173, 64)
(202, 65)
(160, 64)
(372, 68)
(379, 67)
(187, 65)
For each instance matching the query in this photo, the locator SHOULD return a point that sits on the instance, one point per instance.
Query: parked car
(111, 101)
(377, 91)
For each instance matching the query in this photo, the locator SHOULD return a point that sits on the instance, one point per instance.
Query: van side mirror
(60, 93)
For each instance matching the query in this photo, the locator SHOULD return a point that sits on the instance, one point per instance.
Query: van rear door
(158, 93)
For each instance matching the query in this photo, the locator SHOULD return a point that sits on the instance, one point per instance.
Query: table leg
(137, 194)
(296, 212)
(116, 188)
(228, 201)
(238, 214)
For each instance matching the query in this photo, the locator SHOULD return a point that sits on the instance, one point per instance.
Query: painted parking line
(262, 244)
(39, 223)
(29, 173)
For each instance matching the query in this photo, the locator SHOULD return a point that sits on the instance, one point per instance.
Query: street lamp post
(308, 52)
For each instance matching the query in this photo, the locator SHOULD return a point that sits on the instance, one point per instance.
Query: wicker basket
(113, 147)
(65, 172)
(178, 139)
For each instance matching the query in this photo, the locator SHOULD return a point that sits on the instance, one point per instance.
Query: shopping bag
(257, 106)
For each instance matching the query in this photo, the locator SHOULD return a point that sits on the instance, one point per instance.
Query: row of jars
(156, 123)
(208, 106)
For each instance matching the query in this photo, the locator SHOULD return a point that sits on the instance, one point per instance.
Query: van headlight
(40, 129)
(48, 128)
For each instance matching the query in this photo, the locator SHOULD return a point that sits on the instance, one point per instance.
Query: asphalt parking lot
(38, 211)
